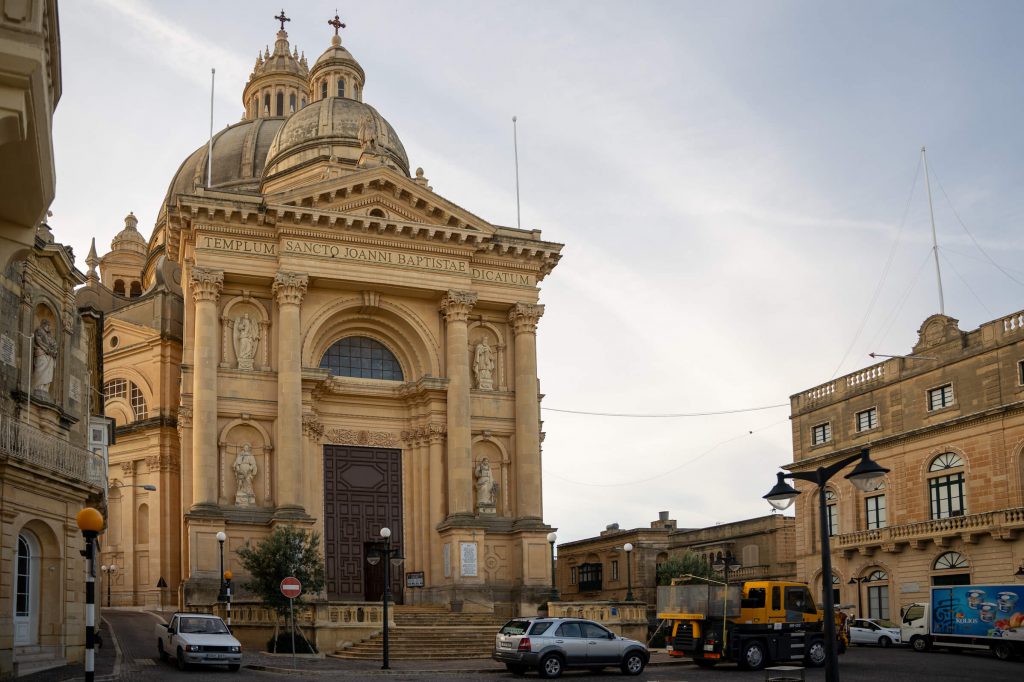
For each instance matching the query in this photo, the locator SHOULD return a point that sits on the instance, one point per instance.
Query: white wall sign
(446, 552)
(467, 555)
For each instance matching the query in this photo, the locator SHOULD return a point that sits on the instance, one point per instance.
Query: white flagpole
(209, 151)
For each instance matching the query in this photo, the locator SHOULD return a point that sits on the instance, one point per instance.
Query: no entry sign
(291, 587)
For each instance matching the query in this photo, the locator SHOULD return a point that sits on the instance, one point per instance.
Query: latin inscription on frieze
(233, 245)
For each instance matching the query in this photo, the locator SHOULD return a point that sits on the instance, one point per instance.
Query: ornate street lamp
(108, 577)
(90, 522)
(860, 602)
(221, 537)
(866, 476)
(628, 547)
(554, 585)
(390, 556)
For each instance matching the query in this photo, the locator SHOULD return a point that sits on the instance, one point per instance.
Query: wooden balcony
(1002, 524)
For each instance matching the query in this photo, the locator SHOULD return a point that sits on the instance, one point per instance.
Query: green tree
(287, 551)
(687, 563)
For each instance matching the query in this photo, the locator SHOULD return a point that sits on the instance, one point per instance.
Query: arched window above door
(362, 357)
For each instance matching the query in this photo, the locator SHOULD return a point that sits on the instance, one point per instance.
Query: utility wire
(887, 324)
(670, 415)
(673, 469)
(966, 284)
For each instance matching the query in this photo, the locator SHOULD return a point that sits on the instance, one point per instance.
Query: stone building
(594, 569)
(948, 421)
(49, 470)
(355, 351)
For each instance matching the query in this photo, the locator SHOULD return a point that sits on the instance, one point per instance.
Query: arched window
(878, 595)
(358, 356)
(26, 590)
(323, 88)
(832, 508)
(951, 568)
(280, 104)
(341, 87)
(266, 104)
(377, 213)
(291, 103)
(23, 577)
(119, 287)
(947, 488)
(142, 527)
(136, 289)
(122, 388)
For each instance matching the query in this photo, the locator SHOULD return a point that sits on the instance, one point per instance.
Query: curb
(399, 671)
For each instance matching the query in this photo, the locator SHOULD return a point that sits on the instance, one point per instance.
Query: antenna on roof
(515, 145)
(935, 242)
(209, 150)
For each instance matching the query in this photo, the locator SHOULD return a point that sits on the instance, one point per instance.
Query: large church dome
(335, 127)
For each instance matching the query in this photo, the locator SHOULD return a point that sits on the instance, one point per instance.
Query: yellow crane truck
(752, 624)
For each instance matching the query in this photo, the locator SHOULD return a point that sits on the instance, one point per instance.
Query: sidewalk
(106, 662)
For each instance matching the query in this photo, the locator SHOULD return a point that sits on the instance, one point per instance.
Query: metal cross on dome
(282, 18)
(336, 23)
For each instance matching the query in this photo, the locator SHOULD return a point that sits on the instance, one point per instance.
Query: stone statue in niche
(247, 338)
(483, 366)
(245, 471)
(44, 358)
(368, 134)
(486, 488)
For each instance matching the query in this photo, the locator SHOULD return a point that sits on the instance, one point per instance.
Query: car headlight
(236, 649)
(193, 647)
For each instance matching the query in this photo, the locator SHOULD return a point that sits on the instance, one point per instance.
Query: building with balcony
(947, 420)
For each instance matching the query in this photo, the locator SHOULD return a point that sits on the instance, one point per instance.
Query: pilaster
(523, 317)
(206, 286)
(456, 306)
(289, 290)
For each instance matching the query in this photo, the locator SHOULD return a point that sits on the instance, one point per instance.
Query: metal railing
(28, 444)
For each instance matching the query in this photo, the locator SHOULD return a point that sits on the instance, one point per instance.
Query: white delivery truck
(968, 616)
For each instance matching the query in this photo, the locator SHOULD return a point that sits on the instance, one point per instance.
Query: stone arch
(496, 340)
(230, 441)
(51, 561)
(136, 377)
(401, 330)
(234, 308)
(939, 450)
(142, 524)
(486, 446)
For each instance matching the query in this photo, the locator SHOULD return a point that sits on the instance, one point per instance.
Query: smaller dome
(281, 61)
(129, 238)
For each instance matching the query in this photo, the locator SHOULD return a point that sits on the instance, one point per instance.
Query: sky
(738, 186)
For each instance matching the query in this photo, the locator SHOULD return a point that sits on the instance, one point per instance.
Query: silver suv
(553, 644)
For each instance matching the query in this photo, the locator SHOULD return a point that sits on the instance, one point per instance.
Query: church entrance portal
(362, 494)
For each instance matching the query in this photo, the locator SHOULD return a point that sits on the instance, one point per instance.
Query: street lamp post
(554, 585)
(221, 537)
(390, 556)
(866, 476)
(90, 522)
(860, 602)
(108, 577)
(628, 547)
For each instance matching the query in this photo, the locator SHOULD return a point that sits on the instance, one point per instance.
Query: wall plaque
(7, 350)
(446, 553)
(414, 579)
(467, 556)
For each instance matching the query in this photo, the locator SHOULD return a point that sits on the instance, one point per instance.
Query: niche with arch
(236, 460)
(245, 339)
(487, 362)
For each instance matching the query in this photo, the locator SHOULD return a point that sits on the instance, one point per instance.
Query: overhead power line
(670, 415)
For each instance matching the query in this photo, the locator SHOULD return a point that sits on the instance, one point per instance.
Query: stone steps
(430, 633)
(34, 659)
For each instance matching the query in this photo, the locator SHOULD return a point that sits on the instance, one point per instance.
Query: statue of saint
(368, 134)
(44, 358)
(483, 366)
(486, 488)
(247, 338)
(245, 471)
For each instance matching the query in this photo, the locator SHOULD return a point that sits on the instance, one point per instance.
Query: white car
(874, 631)
(198, 639)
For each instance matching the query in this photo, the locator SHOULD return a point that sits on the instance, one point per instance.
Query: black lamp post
(866, 476)
(554, 585)
(108, 577)
(628, 547)
(860, 601)
(90, 522)
(390, 556)
(221, 537)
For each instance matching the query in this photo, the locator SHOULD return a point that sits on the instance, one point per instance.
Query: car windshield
(514, 627)
(203, 626)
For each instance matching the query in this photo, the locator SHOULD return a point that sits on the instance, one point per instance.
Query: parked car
(550, 645)
(874, 631)
(198, 638)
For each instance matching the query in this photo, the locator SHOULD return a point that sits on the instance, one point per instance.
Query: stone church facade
(313, 336)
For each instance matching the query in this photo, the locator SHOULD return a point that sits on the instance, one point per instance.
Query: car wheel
(919, 644)
(1003, 651)
(704, 662)
(633, 664)
(815, 657)
(551, 666)
(160, 651)
(515, 668)
(884, 642)
(180, 660)
(233, 667)
(753, 656)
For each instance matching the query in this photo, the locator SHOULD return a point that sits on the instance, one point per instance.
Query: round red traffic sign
(291, 587)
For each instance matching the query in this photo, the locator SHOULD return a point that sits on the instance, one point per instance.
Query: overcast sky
(737, 184)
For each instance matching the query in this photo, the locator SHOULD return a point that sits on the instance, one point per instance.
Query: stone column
(456, 306)
(523, 318)
(206, 288)
(289, 289)
(436, 496)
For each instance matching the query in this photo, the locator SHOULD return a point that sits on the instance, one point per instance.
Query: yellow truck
(752, 624)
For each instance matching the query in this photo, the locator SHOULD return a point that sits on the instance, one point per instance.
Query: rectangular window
(875, 508)
(615, 569)
(940, 397)
(878, 601)
(591, 577)
(833, 519)
(947, 496)
(1020, 372)
(822, 433)
(867, 420)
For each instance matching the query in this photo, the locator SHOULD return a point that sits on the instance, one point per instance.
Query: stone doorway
(362, 494)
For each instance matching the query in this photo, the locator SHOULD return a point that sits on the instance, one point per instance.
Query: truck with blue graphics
(970, 617)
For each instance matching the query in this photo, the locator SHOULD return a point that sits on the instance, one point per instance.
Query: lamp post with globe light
(108, 577)
(385, 551)
(90, 522)
(628, 547)
(866, 476)
(221, 537)
(552, 537)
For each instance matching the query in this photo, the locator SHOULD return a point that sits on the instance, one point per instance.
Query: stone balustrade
(1003, 524)
(1013, 323)
(628, 619)
(28, 444)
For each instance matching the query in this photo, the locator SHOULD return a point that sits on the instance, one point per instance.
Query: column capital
(290, 287)
(456, 305)
(524, 316)
(206, 283)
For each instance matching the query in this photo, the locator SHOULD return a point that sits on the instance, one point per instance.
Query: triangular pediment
(126, 334)
(383, 192)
